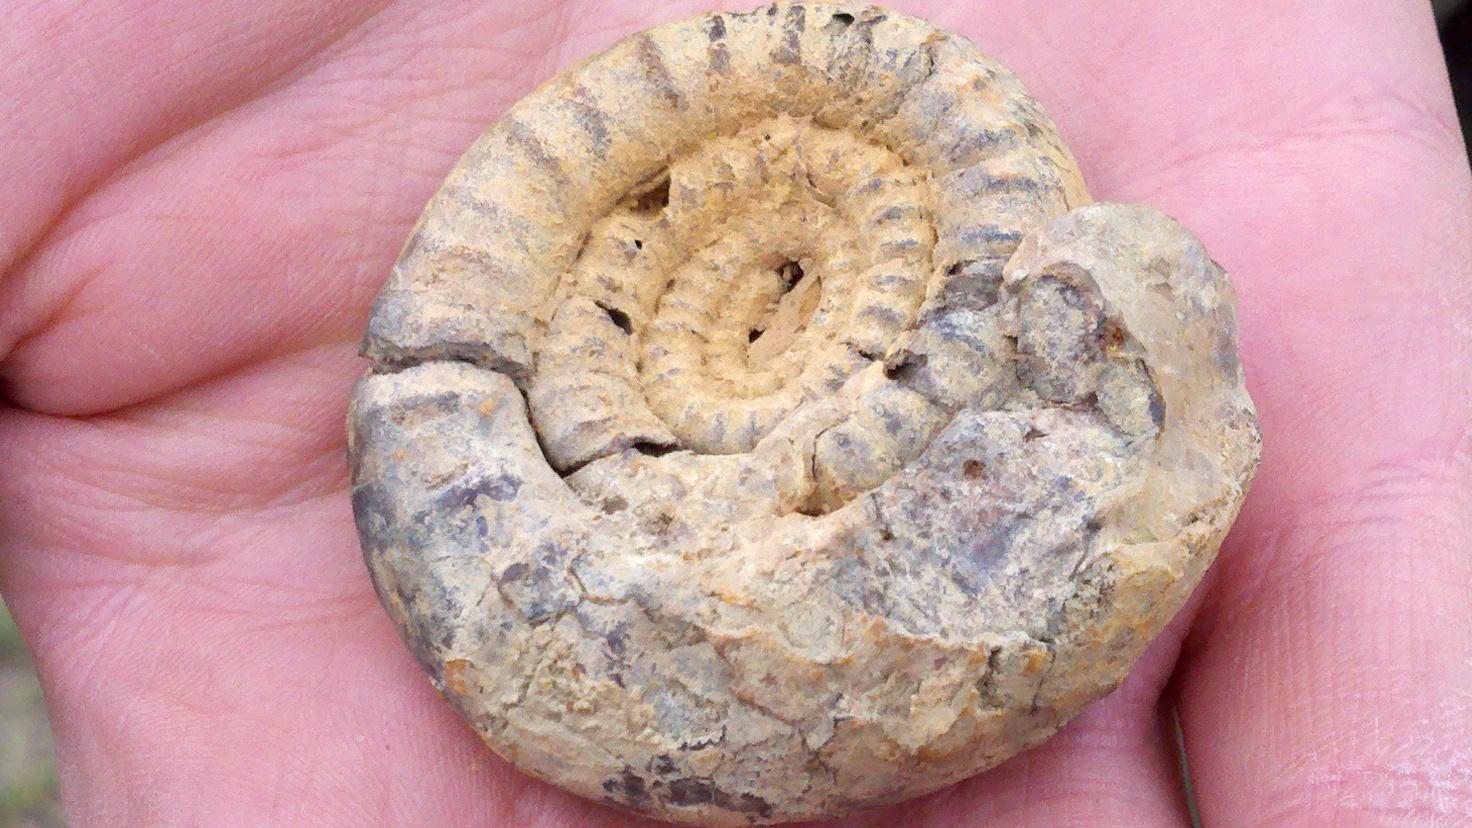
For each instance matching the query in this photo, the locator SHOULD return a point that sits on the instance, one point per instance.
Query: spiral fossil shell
(764, 425)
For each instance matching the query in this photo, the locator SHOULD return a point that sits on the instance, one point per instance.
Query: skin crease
(203, 197)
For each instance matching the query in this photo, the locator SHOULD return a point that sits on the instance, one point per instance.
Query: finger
(93, 276)
(209, 642)
(1331, 686)
(1327, 684)
(287, 207)
(84, 87)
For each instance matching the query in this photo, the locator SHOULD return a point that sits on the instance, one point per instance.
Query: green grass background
(27, 773)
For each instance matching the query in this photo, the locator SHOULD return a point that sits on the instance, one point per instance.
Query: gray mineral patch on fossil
(765, 425)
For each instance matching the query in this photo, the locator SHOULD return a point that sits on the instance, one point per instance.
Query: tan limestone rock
(764, 425)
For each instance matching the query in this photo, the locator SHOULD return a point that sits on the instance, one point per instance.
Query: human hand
(204, 197)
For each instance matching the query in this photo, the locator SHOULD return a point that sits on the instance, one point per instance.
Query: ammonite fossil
(764, 425)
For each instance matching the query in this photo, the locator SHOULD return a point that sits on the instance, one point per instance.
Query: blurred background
(1456, 37)
(27, 776)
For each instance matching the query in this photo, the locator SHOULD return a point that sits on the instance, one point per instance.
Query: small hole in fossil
(1157, 408)
(654, 449)
(1034, 433)
(791, 273)
(638, 244)
(906, 367)
(786, 314)
(655, 198)
(838, 23)
(1111, 335)
(618, 317)
(816, 504)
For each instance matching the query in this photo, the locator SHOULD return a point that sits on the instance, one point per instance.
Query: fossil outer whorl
(764, 425)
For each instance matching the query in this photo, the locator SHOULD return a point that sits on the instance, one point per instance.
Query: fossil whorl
(763, 426)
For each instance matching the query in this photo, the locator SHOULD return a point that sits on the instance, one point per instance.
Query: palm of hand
(203, 205)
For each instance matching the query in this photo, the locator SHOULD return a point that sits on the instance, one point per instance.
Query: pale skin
(203, 197)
